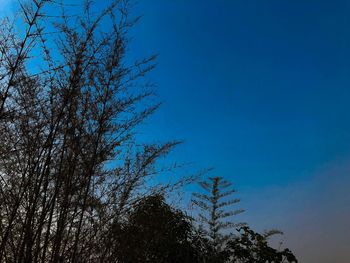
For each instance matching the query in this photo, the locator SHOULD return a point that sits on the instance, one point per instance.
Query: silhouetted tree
(216, 212)
(252, 247)
(155, 232)
(69, 102)
(220, 246)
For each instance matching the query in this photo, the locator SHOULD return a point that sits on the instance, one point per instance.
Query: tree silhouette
(216, 213)
(70, 165)
(252, 247)
(155, 232)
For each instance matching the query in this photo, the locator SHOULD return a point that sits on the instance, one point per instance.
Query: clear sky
(260, 91)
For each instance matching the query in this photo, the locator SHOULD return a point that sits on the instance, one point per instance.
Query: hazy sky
(260, 90)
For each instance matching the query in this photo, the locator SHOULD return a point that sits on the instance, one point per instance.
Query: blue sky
(256, 90)
(259, 90)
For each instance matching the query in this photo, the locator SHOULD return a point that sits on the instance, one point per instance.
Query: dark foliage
(252, 247)
(155, 232)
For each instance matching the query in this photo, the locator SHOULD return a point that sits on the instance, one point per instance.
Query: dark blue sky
(259, 90)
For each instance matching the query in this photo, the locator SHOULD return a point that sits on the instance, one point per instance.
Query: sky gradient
(259, 90)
